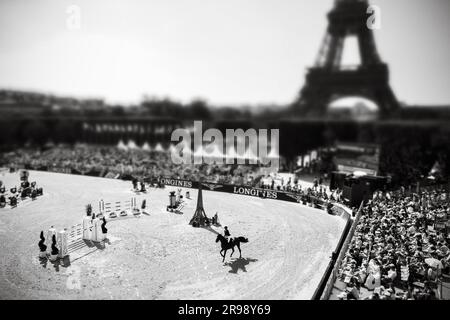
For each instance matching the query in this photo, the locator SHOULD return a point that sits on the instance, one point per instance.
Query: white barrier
(62, 243)
(48, 240)
(69, 239)
(119, 208)
(75, 233)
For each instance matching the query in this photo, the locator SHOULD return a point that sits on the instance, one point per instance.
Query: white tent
(273, 153)
(215, 153)
(187, 152)
(231, 153)
(249, 155)
(199, 152)
(159, 148)
(435, 169)
(132, 145)
(122, 145)
(172, 148)
(146, 147)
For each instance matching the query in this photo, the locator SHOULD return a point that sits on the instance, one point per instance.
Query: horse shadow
(210, 229)
(100, 245)
(89, 243)
(43, 262)
(64, 262)
(56, 264)
(239, 263)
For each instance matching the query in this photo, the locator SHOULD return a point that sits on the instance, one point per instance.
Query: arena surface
(160, 256)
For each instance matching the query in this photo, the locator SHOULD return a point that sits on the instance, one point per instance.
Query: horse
(230, 245)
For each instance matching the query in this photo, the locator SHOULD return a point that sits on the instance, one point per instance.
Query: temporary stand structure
(199, 219)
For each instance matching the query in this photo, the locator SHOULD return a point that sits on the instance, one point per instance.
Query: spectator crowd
(114, 162)
(398, 250)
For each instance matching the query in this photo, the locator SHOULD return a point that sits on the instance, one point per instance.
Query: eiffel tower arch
(329, 80)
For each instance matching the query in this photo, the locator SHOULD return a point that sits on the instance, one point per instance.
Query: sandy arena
(160, 256)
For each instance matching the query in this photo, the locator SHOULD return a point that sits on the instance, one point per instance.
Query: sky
(226, 52)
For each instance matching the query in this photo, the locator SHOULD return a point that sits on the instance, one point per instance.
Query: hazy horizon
(233, 53)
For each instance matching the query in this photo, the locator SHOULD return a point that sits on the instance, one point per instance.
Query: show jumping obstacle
(91, 228)
(175, 201)
(71, 239)
(15, 195)
(118, 208)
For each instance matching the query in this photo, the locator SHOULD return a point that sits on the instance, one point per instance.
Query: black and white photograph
(242, 152)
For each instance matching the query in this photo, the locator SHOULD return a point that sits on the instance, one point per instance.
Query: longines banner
(179, 183)
(243, 190)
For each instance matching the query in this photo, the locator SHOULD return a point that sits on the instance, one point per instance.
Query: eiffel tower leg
(368, 51)
(321, 57)
(338, 53)
(331, 54)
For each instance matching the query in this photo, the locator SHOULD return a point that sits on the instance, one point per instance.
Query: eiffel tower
(199, 218)
(328, 80)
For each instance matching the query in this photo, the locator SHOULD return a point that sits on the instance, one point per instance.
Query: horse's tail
(243, 239)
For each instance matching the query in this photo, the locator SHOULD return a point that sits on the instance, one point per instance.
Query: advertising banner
(246, 190)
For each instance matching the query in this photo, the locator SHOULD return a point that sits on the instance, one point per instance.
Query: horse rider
(226, 234)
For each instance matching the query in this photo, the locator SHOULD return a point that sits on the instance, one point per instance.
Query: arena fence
(328, 271)
(332, 271)
(248, 191)
(236, 189)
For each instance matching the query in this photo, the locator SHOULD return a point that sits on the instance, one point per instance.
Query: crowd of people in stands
(398, 251)
(108, 160)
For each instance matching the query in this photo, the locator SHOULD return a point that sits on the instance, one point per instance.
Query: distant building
(360, 111)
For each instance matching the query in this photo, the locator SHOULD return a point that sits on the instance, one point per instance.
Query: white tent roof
(172, 147)
(273, 153)
(159, 148)
(250, 155)
(146, 147)
(436, 168)
(122, 145)
(131, 144)
(231, 152)
(215, 153)
(199, 152)
(187, 150)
